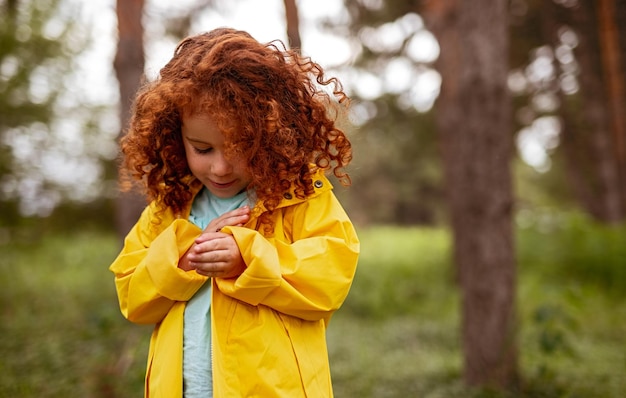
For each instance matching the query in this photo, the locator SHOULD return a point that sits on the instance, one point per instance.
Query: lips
(223, 185)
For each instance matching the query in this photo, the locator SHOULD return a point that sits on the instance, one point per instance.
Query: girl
(243, 253)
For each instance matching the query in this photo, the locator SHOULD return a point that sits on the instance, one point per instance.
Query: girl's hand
(216, 255)
(237, 217)
(234, 218)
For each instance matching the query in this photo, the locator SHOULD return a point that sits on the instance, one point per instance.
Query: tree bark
(129, 69)
(573, 140)
(611, 14)
(11, 9)
(293, 25)
(595, 146)
(475, 126)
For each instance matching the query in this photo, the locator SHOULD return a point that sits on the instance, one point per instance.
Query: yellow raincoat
(267, 325)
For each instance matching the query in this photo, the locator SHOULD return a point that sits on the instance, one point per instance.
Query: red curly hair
(268, 101)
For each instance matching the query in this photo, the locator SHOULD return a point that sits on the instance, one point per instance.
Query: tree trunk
(574, 138)
(11, 9)
(591, 149)
(474, 122)
(293, 25)
(129, 69)
(611, 14)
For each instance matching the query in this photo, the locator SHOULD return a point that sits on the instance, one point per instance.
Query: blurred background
(488, 189)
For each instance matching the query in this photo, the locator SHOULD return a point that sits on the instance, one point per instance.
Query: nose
(221, 166)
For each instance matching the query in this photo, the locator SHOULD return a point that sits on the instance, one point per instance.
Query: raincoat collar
(320, 184)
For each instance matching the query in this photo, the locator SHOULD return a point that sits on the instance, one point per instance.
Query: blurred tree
(129, 67)
(39, 45)
(473, 118)
(396, 170)
(612, 16)
(568, 60)
(538, 98)
(575, 72)
(24, 46)
(293, 24)
(566, 73)
(599, 137)
(474, 121)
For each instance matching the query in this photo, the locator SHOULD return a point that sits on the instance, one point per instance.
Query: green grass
(398, 336)
(61, 333)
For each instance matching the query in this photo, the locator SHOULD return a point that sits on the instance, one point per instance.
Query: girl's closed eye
(202, 150)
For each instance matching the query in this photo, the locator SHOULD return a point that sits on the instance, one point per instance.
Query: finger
(208, 236)
(233, 217)
(211, 255)
(211, 268)
(238, 211)
(210, 274)
(229, 221)
(233, 214)
(211, 241)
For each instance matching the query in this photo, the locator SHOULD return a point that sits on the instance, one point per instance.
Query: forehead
(200, 126)
(198, 119)
(223, 117)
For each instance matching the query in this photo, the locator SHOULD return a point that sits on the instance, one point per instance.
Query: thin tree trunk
(574, 140)
(474, 121)
(293, 25)
(11, 9)
(599, 166)
(609, 17)
(129, 69)
(442, 20)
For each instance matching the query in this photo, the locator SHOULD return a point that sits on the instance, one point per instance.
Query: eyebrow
(196, 141)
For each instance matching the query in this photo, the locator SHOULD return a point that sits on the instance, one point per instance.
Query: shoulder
(320, 183)
(156, 217)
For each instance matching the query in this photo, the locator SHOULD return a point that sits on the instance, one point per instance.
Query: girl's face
(204, 147)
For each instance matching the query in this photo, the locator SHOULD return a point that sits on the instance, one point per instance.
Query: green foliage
(583, 250)
(62, 333)
(397, 168)
(411, 264)
(23, 47)
(397, 335)
(553, 328)
(35, 43)
(50, 127)
(400, 322)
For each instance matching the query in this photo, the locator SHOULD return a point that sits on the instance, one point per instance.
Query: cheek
(188, 154)
(194, 162)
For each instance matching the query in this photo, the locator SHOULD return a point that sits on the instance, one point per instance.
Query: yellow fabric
(268, 325)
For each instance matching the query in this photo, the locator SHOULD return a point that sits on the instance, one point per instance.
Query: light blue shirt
(197, 373)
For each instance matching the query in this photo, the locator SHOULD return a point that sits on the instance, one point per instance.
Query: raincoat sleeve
(147, 277)
(308, 277)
